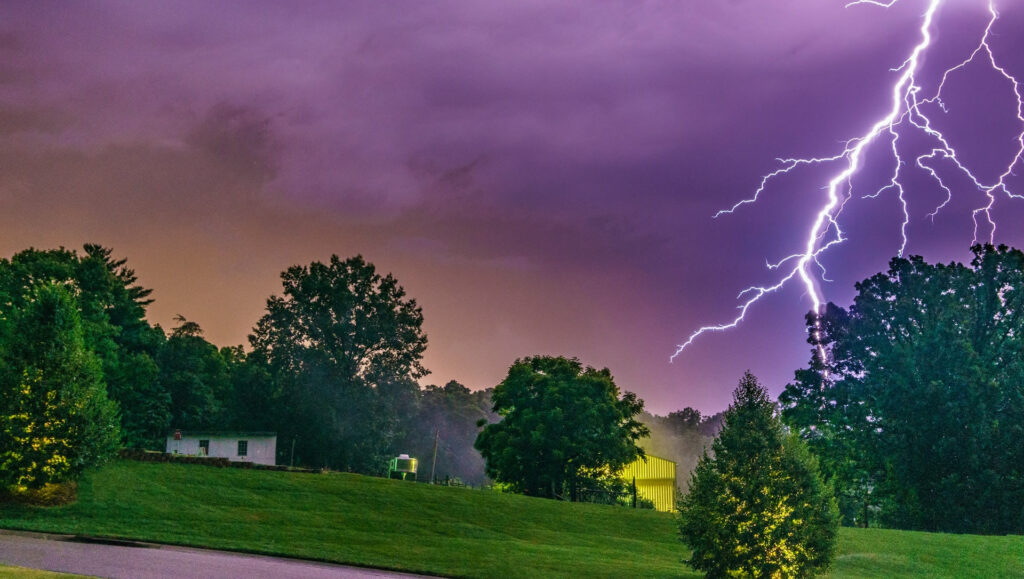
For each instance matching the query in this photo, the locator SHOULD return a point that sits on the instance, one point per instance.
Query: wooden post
(634, 492)
(433, 462)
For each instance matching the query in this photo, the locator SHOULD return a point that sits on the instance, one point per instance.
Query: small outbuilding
(655, 480)
(255, 447)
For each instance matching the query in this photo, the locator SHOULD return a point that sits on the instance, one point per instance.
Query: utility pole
(292, 461)
(433, 463)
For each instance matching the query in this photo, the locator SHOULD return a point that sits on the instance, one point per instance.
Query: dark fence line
(219, 462)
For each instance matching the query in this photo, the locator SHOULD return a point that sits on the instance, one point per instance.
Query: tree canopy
(917, 406)
(757, 506)
(562, 425)
(342, 348)
(332, 368)
(195, 375)
(112, 309)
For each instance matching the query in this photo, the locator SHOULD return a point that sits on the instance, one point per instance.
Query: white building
(256, 447)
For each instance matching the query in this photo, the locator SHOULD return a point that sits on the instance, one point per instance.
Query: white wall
(261, 449)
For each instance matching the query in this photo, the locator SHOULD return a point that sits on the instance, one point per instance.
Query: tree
(194, 373)
(917, 406)
(248, 404)
(758, 507)
(112, 308)
(562, 425)
(452, 413)
(342, 346)
(55, 417)
(678, 437)
(129, 368)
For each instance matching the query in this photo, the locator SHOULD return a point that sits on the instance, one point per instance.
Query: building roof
(225, 433)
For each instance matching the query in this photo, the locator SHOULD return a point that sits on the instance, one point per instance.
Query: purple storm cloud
(540, 176)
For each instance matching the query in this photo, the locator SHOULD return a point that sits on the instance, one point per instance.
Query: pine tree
(55, 417)
(758, 507)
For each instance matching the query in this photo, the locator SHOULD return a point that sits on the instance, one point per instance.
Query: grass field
(448, 531)
(22, 573)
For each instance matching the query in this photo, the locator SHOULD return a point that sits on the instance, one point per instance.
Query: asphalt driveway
(130, 560)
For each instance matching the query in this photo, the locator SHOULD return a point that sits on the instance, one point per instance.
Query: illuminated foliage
(563, 427)
(112, 310)
(55, 418)
(758, 507)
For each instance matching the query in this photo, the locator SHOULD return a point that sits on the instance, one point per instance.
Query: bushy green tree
(758, 507)
(194, 373)
(112, 308)
(563, 427)
(342, 347)
(55, 417)
(248, 404)
(917, 408)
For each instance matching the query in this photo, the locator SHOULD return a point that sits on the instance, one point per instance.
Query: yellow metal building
(655, 481)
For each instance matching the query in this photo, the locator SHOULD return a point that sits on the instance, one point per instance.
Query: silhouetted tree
(917, 408)
(194, 373)
(452, 412)
(342, 346)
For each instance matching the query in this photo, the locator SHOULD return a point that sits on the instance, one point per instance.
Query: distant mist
(682, 437)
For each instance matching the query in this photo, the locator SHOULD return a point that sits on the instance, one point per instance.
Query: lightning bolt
(908, 114)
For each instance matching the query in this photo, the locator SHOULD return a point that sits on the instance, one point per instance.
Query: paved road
(149, 561)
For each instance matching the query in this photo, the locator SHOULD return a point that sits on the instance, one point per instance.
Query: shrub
(758, 508)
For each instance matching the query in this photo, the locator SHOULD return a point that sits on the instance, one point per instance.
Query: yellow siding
(655, 481)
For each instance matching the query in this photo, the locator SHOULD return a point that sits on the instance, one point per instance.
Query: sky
(540, 176)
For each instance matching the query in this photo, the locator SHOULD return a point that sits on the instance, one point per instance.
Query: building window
(243, 447)
(204, 448)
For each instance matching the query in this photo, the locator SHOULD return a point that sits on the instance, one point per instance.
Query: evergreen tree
(112, 309)
(55, 417)
(758, 507)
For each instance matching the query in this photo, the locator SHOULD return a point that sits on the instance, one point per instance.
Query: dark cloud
(238, 138)
(540, 176)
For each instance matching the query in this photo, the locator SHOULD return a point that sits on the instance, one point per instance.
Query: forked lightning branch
(913, 109)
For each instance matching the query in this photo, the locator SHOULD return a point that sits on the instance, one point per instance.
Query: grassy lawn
(886, 553)
(363, 521)
(448, 531)
(22, 573)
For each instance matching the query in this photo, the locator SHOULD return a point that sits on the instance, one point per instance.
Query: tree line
(914, 395)
(331, 367)
(912, 401)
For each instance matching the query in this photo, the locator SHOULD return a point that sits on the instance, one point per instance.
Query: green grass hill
(446, 531)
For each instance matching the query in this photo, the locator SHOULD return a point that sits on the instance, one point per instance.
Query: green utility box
(402, 467)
